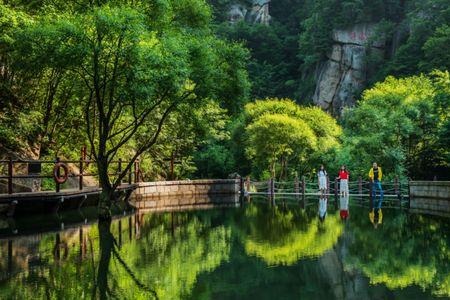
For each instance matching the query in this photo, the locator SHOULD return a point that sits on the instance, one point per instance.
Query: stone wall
(175, 194)
(173, 203)
(430, 195)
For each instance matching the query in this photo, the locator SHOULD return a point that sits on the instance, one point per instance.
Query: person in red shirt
(344, 177)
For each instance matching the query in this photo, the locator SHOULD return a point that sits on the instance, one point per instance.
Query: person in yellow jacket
(375, 175)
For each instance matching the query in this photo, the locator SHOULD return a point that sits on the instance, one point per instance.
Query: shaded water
(255, 251)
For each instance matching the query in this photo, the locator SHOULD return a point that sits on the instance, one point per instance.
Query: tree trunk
(106, 196)
(106, 248)
(104, 203)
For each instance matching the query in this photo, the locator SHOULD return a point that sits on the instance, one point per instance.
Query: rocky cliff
(258, 12)
(344, 75)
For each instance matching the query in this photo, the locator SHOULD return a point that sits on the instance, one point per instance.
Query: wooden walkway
(52, 202)
(61, 195)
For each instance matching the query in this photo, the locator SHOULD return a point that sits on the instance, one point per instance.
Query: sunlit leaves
(280, 131)
(396, 124)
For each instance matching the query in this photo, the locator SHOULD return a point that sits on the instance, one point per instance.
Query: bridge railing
(12, 170)
(392, 188)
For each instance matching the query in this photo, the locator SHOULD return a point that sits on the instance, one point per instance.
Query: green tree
(296, 139)
(434, 48)
(411, 250)
(126, 70)
(397, 124)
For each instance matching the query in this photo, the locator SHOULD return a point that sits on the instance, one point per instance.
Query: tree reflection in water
(108, 247)
(406, 250)
(257, 251)
(283, 237)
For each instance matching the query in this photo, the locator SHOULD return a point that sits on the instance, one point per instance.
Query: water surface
(255, 251)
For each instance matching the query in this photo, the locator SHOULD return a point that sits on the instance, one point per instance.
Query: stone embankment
(170, 195)
(430, 195)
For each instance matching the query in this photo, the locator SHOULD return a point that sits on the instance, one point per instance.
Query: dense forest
(178, 80)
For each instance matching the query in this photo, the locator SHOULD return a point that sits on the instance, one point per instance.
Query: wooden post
(130, 228)
(139, 171)
(360, 185)
(10, 255)
(136, 171)
(303, 188)
(10, 176)
(328, 186)
(272, 191)
(80, 234)
(396, 184)
(58, 174)
(360, 188)
(296, 187)
(57, 253)
(172, 163)
(120, 232)
(336, 184)
(241, 185)
(119, 168)
(336, 187)
(409, 193)
(80, 178)
(83, 152)
(130, 171)
(247, 184)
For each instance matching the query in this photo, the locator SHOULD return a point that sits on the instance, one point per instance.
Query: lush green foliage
(161, 79)
(422, 260)
(280, 238)
(285, 55)
(286, 139)
(142, 78)
(402, 124)
(233, 252)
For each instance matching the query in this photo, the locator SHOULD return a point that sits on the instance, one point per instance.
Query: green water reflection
(260, 251)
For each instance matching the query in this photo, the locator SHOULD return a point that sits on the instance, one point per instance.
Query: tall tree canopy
(284, 138)
(401, 123)
(124, 67)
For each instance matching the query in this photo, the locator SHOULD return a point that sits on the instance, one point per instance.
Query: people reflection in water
(343, 207)
(376, 217)
(322, 208)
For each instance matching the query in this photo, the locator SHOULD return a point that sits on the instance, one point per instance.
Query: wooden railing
(34, 171)
(296, 187)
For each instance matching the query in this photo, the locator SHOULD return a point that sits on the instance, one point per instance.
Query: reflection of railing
(53, 171)
(301, 188)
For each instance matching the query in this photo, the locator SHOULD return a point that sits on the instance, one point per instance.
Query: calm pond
(251, 252)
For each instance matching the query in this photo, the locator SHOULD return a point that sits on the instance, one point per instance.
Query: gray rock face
(258, 13)
(343, 76)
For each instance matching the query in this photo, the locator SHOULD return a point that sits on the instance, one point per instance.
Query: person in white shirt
(322, 179)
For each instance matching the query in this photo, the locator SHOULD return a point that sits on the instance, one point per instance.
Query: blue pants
(376, 185)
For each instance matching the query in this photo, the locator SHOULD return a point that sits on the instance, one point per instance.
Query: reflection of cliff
(344, 283)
